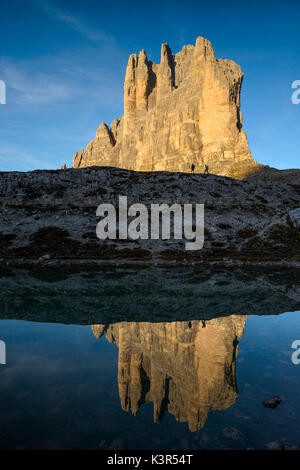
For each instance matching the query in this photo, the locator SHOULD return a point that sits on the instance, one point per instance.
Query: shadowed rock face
(184, 110)
(185, 368)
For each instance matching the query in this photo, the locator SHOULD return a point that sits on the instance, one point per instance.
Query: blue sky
(64, 63)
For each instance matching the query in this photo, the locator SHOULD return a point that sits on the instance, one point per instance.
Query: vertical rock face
(185, 368)
(184, 110)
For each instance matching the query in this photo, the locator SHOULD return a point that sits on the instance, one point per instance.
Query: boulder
(294, 216)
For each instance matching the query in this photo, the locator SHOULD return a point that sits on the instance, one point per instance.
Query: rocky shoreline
(88, 263)
(105, 294)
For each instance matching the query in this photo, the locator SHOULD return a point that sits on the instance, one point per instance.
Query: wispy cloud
(33, 88)
(92, 76)
(56, 80)
(23, 160)
(73, 22)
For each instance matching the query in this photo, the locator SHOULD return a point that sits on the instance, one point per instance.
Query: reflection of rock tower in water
(182, 367)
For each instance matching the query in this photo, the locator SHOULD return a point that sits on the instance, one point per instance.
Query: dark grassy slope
(54, 213)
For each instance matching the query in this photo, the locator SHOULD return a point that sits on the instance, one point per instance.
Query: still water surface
(193, 384)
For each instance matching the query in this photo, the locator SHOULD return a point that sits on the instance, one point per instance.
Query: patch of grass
(135, 253)
(286, 236)
(173, 255)
(119, 186)
(60, 192)
(254, 243)
(246, 233)
(30, 208)
(49, 209)
(102, 250)
(207, 234)
(32, 192)
(217, 244)
(97, 192)
(261, 199)
(6, 239)
(224, 226)
(89, 235)
(258, 209)
(58, 243)
(46, 235)
(48, 240)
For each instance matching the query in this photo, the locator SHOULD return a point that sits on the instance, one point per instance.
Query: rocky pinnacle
(184, 110)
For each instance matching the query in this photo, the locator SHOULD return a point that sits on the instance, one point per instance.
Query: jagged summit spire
(203, 47)
(183, 110)
(166, 53)
(143, 53)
